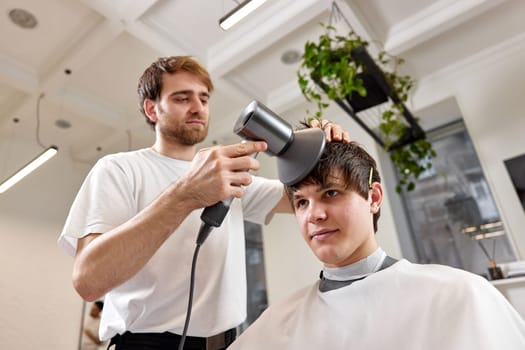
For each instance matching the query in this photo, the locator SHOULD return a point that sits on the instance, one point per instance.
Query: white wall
(40, 309)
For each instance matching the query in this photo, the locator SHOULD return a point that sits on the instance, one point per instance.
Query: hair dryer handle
(214, 215)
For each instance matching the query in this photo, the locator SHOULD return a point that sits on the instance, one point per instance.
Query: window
(451, 214)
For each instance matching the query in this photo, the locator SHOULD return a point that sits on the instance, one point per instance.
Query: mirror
(89, 339)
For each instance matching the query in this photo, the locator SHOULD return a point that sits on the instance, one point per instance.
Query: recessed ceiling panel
(184, 22)
(113, 74)
(10, 98)
(59, 22)
(490, 29)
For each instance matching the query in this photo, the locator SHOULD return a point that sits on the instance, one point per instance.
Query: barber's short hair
(150, 83)
(351, 161)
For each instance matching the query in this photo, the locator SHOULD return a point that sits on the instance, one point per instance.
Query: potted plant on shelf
(339, 68)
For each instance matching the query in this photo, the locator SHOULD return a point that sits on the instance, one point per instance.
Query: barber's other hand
(333, 131)
(219, 172)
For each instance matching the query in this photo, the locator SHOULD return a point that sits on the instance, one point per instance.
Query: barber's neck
(174, 150)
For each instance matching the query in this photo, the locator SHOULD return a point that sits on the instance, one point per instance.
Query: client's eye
(331, 193)
(300, 203)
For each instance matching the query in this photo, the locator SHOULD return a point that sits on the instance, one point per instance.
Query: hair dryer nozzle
(258, 123)
(302, 155)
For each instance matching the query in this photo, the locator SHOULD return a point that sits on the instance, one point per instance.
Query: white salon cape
(406, 306)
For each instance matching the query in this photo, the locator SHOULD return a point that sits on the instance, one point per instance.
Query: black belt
(171, 341)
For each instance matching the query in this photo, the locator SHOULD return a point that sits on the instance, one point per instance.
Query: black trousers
(170, 341)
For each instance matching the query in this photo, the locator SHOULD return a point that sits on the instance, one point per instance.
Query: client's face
(335, 222)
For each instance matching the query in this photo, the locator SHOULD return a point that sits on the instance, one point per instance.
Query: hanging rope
(336, 15)
(40, 97)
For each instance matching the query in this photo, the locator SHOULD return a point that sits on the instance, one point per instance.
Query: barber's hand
(219, 172)
(333, 131)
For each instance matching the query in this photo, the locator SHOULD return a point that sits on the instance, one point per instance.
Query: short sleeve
(261, 196)
(103, 202)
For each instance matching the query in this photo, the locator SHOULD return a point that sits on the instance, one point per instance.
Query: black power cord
(203, 232)
(211, 217)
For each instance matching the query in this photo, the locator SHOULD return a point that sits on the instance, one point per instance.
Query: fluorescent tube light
(28, 168)
(238, 13)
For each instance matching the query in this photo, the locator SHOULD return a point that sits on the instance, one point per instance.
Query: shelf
(508, 281)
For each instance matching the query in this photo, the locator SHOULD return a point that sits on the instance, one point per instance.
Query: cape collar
(335, 278)
(357, 270)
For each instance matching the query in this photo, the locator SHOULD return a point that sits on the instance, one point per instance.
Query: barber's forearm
(103, 262)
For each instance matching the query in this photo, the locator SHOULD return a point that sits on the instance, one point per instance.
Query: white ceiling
(108, 43)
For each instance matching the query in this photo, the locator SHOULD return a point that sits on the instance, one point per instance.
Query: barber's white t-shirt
(155, 299)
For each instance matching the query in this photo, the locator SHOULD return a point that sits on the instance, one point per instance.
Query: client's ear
(376, 197)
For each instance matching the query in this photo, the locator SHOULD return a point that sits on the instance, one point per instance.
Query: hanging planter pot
(374, 94)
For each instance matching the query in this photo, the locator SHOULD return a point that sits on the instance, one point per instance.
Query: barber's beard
(187, 135)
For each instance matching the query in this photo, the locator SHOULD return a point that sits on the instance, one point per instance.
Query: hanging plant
(337, 68)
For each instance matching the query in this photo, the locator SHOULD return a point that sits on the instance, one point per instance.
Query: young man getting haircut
(365, 299)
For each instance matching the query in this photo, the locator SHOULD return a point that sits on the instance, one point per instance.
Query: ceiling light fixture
(291, 57)
(23, 18)
(28, 168)
(43, 157)
(62, 124)
(239, 12)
